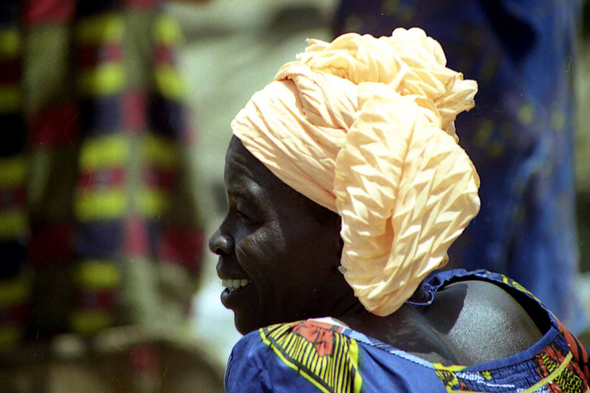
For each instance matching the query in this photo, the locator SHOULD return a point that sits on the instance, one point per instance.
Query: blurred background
(115, 121)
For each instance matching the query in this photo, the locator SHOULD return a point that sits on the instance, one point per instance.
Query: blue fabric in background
(520, 134)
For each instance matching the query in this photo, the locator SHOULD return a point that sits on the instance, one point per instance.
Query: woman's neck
(407, 329)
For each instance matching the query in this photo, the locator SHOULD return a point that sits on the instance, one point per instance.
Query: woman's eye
(244, 216)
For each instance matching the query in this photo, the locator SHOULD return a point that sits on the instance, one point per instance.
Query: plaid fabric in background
(98, 219)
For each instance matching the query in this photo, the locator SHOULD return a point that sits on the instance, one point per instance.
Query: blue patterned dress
(314, 356)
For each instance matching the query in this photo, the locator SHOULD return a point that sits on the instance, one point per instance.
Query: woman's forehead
(243, 170)
(245, 175)
(238, 164)
(239, 161)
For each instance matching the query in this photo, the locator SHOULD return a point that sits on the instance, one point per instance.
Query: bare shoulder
(486, 322)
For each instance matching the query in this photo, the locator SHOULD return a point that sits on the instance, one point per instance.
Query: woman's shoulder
(485, 316)
(500, 330)
(485, 322)
(484, 292)
(325, 354)
(302, 345)
(290, 357)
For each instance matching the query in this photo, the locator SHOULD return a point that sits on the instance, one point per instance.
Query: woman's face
(278, 251)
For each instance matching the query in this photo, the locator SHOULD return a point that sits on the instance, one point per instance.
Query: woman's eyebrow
(238, 194)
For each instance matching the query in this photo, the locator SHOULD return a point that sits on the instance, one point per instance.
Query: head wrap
(364, 126)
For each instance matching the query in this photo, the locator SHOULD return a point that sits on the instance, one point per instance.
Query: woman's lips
(234, 292)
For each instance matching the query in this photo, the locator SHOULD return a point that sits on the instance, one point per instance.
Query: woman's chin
(246, 323)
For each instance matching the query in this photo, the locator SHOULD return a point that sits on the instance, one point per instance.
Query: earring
(342, 269)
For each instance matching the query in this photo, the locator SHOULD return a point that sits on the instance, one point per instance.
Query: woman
(346, 187)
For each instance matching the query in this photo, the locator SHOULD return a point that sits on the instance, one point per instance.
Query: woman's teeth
(235, 284)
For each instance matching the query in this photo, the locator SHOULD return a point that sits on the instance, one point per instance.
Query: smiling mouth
(232, 285)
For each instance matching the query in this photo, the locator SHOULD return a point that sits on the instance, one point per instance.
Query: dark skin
(289, 249)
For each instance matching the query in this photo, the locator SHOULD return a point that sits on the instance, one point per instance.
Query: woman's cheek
(250, 252)
(265, 239)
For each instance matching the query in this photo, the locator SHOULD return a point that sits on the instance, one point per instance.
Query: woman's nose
(221, 244)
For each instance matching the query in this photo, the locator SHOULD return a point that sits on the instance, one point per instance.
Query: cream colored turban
(365, 127)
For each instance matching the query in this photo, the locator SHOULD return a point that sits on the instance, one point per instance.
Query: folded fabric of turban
(364, 126)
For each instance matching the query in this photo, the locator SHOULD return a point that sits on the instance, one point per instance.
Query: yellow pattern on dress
(335, 372)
